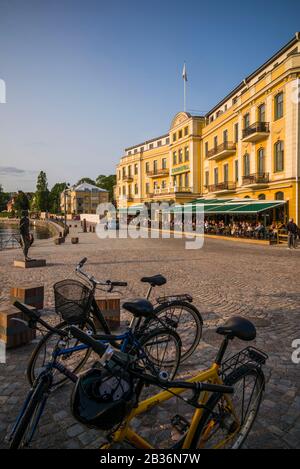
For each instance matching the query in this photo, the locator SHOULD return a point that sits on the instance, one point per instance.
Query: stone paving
(225, 278)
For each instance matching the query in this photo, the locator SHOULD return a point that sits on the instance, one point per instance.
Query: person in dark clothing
(25, 234)
(292, 229)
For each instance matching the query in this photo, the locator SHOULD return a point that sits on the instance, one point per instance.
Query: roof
(86, 187)
(293, 41)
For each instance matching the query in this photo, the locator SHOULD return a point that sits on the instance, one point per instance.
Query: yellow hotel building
(248, 145)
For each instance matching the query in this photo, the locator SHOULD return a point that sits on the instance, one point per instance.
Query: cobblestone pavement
(225, 278)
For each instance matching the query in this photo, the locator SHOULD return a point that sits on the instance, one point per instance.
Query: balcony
(129, 198)
(222, 187)
(256, 179)
(127, 178)
(256, 132)
(221, 151)
(166, 192)
(158, 173)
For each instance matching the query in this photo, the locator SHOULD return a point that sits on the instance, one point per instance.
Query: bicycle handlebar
(91, 278)
(100, 349)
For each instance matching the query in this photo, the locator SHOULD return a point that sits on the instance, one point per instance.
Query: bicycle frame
(125, 433)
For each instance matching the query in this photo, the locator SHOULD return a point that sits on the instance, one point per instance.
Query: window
(163, 184)
(135, 150)
(186, 180)
(225, 107)
(236, 132)
(215, 142)
(174, 157)
(279, 156)
(186, 131)
(150, 146)
(236, 170)
(141, 149)
(147, 188)
(180, 156)
(261, 114)
(129, 190)
(216, 176)
(180, 134)
(186, 154)
(164, 163)
(159, 143)
(261, 161)
(136, 169)
(155, 167)
(147, 167)
(167, 141)
(174, 137)
(123, 172)
(129, 171)
(119, 174)
(279, 196)
(262, 197)
(225, 136)
(124, 190)
(225, 172)
(247, 164)
(278, 102)
(206, 178)
(180, 180)
(129, 153)
(206, 148)
(136, 189)
(246, 120)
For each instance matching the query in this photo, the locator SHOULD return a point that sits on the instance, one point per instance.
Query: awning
(229, 206)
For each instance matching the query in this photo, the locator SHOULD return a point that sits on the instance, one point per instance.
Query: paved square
(225, 278)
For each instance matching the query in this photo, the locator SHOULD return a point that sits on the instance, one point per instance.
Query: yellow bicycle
(225, 398)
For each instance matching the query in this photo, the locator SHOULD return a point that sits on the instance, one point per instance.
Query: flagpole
(184, 95)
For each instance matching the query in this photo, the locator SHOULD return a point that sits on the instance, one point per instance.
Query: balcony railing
(256, 128)
(222, 186)
(158, 172)
(256, 178)
(127, 178)
(224, 148)
(170, 190)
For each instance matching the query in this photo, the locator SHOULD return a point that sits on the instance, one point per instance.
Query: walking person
(292, 229)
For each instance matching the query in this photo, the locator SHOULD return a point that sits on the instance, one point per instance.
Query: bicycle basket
(72, 300)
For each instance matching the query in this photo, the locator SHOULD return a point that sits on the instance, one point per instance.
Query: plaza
(225, 278)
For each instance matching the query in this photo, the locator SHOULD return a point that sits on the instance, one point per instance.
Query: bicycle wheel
(162, 348)
(26, 426)
(186, 320)
(42, 354)
(221, 427)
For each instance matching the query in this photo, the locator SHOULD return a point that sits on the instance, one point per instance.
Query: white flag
(184, 74)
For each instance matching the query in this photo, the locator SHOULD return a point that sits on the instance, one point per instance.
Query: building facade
(247, 146)
(83, 198)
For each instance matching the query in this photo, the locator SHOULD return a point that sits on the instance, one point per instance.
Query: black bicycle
(76, 304)
(154, 353)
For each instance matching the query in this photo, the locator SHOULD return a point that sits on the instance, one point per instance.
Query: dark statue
(26, 237)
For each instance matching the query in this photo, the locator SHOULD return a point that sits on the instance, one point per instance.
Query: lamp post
(65, 208)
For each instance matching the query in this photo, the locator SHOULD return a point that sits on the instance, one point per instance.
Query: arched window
(261, 161)
(247, 197)
(246, 164)
(278, 156)
(279, 195)
(262, 197)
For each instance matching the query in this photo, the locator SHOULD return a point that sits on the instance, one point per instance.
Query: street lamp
(65, 207)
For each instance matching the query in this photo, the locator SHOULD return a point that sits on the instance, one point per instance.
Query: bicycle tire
(174, 362)
(231, 380)
(35, 400)
(160, 310)
(32, 375)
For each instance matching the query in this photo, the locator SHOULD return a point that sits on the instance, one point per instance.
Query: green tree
(88, 180)
(54, 198)
(4, 198)
(21, 203)
(42, 193)
(107, 182)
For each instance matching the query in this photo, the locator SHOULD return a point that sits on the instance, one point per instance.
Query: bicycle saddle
(139, 308)
(238, 327)
(155, 280)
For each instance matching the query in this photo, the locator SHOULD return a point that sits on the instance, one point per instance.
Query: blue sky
(87, 78)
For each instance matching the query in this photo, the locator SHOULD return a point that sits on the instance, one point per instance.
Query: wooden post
(110, 308)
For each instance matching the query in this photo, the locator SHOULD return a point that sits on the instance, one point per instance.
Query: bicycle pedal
(180, 423)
